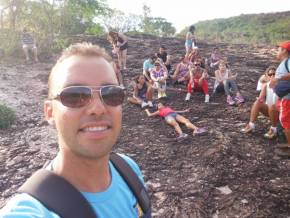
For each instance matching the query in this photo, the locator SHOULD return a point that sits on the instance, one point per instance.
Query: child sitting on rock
(143, 92)
(173, 118)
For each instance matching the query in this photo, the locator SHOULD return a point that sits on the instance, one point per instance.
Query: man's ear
(48, 112)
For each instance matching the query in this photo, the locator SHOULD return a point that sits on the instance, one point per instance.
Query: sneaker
(144, 104)
(199, 131)
(271, 134)
(240, 99)
(187, 97)
(230, 100)
(206, 100)
(182, 136)
(150, 104)
(248, 129)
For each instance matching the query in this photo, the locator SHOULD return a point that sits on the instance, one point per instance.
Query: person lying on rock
(266, 104)
(226, 81)
(143, 92)
(173, 118)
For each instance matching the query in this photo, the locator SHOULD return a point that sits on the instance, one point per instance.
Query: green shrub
(7, 116)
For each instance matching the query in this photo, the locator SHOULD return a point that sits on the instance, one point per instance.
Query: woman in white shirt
(266, 104)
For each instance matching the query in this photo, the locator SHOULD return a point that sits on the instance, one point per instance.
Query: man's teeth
(96, 128)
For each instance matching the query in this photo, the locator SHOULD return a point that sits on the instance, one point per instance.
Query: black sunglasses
(270, 74)
(80, 96)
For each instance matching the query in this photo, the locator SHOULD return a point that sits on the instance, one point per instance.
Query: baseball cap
(285, 45)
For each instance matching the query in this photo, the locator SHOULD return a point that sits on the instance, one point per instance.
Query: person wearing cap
(283, 74)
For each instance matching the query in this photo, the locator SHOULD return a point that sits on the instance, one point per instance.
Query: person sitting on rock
(226, 81)
(162, 54)
(28, 43)
(215, 58)
(173, 117)
(266, 104)
(181, 73)
(159, 75)
(197, 81)
(194, 54)
(147, 66)
(265, 78)
(143, 92)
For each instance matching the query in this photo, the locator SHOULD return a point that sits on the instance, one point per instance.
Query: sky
(183, 13)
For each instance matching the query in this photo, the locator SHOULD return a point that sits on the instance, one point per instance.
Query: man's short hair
(79, 49)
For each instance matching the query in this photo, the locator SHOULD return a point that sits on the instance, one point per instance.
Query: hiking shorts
(283, 106)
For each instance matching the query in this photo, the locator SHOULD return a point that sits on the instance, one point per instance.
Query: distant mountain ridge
(251, 28)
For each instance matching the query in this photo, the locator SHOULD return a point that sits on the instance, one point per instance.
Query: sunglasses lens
(75, 97)
(112, 95)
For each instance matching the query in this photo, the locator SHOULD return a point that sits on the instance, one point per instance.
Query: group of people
(84, 105)
(272, 106)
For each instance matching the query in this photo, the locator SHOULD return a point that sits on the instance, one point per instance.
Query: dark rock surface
(222, 174)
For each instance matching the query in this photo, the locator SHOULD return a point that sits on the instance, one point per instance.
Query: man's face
(92, 130)
(282, 53)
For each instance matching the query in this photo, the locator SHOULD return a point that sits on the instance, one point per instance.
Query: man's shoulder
(25, 206)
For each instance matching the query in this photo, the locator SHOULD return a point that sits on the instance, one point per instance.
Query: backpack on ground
(58, 195)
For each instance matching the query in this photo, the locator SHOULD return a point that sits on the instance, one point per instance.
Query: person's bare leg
(256, 109)
(26, 52)
(186, 122)
(124, 59)
(35, 53)
(274, 115)
(172, 122)
(133, 100)
(149, 94)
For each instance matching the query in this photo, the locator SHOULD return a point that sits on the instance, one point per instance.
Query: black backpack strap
(286, 65)
(133, 182)
(57, 195)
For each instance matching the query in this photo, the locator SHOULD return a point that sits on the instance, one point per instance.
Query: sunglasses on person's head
(197, 64)
(80, 96)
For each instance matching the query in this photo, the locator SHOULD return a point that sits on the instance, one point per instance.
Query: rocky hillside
(221, 174)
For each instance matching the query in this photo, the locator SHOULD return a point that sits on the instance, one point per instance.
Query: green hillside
(253, 28)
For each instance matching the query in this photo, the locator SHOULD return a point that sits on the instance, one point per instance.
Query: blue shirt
(116, 201)
(281, 71)
(147, 65)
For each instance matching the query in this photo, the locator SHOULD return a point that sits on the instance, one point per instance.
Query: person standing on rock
(120, 45)
(283, 74)
(84, 106)
(189, 40)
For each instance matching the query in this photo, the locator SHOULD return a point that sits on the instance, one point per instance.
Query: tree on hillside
(156, 25)
(120, 22)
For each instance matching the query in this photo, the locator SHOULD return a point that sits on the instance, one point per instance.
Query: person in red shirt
(173, 119)
(197, 81)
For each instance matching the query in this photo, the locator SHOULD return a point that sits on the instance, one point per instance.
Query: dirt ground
(221, 174)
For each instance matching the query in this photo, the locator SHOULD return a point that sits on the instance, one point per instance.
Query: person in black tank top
(120, 45)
